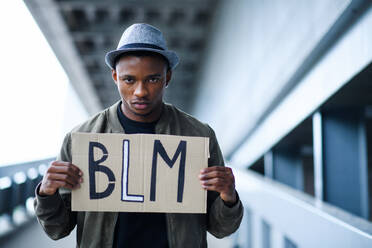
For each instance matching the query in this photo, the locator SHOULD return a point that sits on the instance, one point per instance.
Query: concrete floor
(32, 235)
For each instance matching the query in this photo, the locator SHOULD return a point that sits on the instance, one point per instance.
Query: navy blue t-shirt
(139, 229)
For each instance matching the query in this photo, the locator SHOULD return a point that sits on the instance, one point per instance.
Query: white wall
(256, 48)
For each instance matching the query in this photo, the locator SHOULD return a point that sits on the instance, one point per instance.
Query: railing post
(318, 155)
(269, 164)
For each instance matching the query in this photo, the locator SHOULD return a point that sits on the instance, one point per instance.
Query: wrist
(229, 198)
(41, 192)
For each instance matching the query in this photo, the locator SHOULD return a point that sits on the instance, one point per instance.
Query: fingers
(65, 167)
(73, 180)
(59, 167)
(215, 184)
(53, 185)
(220, 179)
(217, 178)
(60, 174)
(216, 168)
(216, 172)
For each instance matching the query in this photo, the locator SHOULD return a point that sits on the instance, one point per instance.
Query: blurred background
(286, 85)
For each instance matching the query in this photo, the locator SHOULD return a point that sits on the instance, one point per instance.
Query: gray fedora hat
(142, 37)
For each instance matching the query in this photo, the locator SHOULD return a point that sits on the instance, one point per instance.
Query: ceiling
(81, 32)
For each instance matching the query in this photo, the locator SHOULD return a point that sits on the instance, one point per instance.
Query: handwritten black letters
(97, 165)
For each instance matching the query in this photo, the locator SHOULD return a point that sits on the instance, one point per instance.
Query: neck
(150, 117)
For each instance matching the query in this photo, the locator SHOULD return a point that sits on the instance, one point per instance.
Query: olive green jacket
(96, 229)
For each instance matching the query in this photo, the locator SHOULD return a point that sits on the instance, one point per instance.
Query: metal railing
(17, 186)
(277, 216)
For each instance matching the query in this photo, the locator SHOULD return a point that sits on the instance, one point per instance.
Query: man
(142, 69)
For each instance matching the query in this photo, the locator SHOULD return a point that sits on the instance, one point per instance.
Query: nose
(141, 90)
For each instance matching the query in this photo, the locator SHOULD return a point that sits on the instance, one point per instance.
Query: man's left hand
(220, 179)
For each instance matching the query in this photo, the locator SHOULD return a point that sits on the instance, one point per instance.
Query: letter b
(95, 165)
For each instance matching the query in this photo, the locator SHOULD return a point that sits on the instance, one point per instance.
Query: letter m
(159, 149)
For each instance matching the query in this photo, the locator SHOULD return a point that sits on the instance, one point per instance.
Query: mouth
(140, 105)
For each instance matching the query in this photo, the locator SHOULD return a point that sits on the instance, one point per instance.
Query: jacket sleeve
(54, 212)
(222, 219)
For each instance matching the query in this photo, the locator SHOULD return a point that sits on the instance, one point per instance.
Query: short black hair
(141, 53)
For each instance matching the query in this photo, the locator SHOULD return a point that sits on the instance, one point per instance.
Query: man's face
(141, 82)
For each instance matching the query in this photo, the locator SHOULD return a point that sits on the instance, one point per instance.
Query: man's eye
(154, 80)
(128, 80)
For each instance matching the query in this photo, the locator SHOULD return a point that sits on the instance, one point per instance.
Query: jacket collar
(113, 119)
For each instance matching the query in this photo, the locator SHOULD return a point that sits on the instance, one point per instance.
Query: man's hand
(220, 179)
(60, 174)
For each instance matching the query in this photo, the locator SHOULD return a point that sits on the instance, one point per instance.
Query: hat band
(140, 45)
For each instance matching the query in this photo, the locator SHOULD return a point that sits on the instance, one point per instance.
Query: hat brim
(169, 55)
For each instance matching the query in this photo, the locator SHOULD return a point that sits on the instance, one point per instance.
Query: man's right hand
(60, 174)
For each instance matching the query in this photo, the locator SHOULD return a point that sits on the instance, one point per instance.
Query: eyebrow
(151, 75)
(154, 75)
(125, 75)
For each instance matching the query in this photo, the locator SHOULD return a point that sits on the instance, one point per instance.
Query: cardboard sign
(139, 172)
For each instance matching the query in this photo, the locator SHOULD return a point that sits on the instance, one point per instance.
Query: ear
(114, 76)
(168, 78)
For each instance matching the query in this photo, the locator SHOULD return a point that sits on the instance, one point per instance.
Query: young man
(142, 69)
